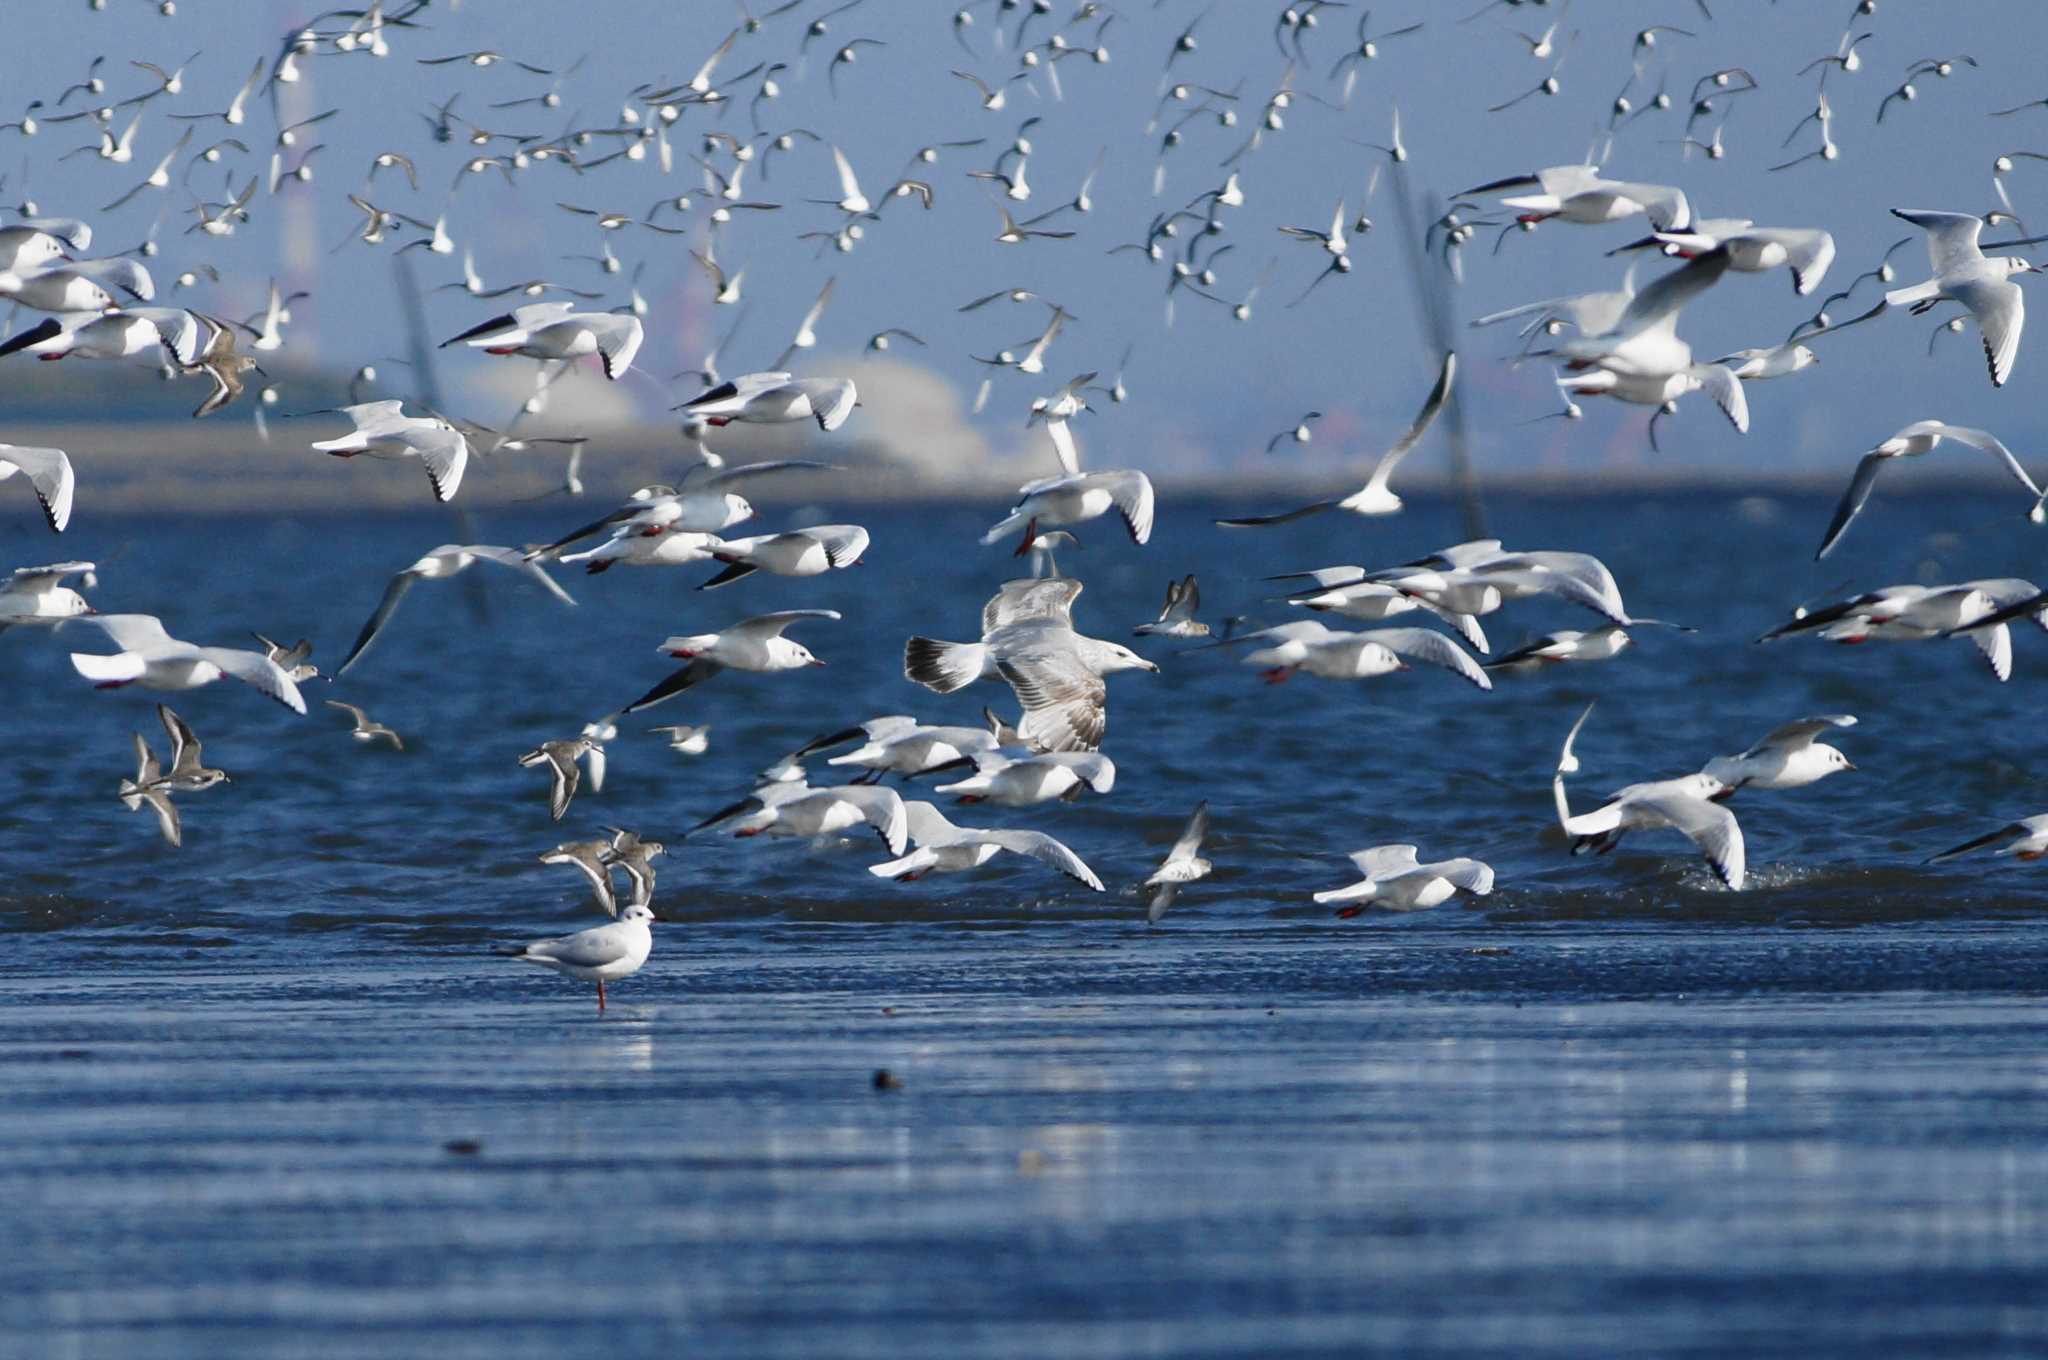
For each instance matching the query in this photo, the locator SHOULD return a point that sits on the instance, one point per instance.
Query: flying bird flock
(725, 167)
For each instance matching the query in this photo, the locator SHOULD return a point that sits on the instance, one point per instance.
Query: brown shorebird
(220, 362)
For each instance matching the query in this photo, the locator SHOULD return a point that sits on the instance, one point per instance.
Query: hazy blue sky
(1208, 391)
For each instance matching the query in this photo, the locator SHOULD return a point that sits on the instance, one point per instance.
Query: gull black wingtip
(838, 738)
(482, 328)
(733, 572)
(48, 329)
(723, 814)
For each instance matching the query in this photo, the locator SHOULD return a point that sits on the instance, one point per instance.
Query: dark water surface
(1610, 1109)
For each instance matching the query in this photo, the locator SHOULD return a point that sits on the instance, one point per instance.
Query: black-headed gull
(111, 335)
(154, 659)
(36, 241)
(900, 744)
(383, 430)
(1395, 881)
(1053, 501)
(650, 548)
(1962, 273)
(1307, 645)
(1042, 548)
(1375, 497)
(1055, 411)
(601, 954)
(794, 808)
(39, 595)
(1020, 780)
(1579, 193)
(698, 507)
(1686, 805)
(755, 644)
(1642, 360)
(1177, 616)
(776, 398)
(443, 562)
(1480, 576)
(943, 848)
(799, 552)
(1368, 49)
(1922, 436)
(1806, 251)
(77, 285)
(1566, 644)
(368, 729)
(555, 330)
(49, 473)
(1028, 640)
(1183, 864)
(1346, 592)
(1917, 613)
(1588, 313)
(685, 738)
(2025, 839)
(1788, 757)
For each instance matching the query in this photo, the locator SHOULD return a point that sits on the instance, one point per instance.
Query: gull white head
(1703, 785)
(40, 248)
(638, 915)
(1115, 657)
(788, 654)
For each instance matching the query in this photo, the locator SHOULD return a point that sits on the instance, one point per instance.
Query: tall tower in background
(297, 266)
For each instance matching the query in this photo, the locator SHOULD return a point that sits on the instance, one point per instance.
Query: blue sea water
(1612, 1108)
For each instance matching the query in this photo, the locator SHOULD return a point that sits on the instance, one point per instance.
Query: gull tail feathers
(943, 666)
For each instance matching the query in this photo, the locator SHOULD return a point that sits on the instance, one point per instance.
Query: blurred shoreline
(137, 467)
